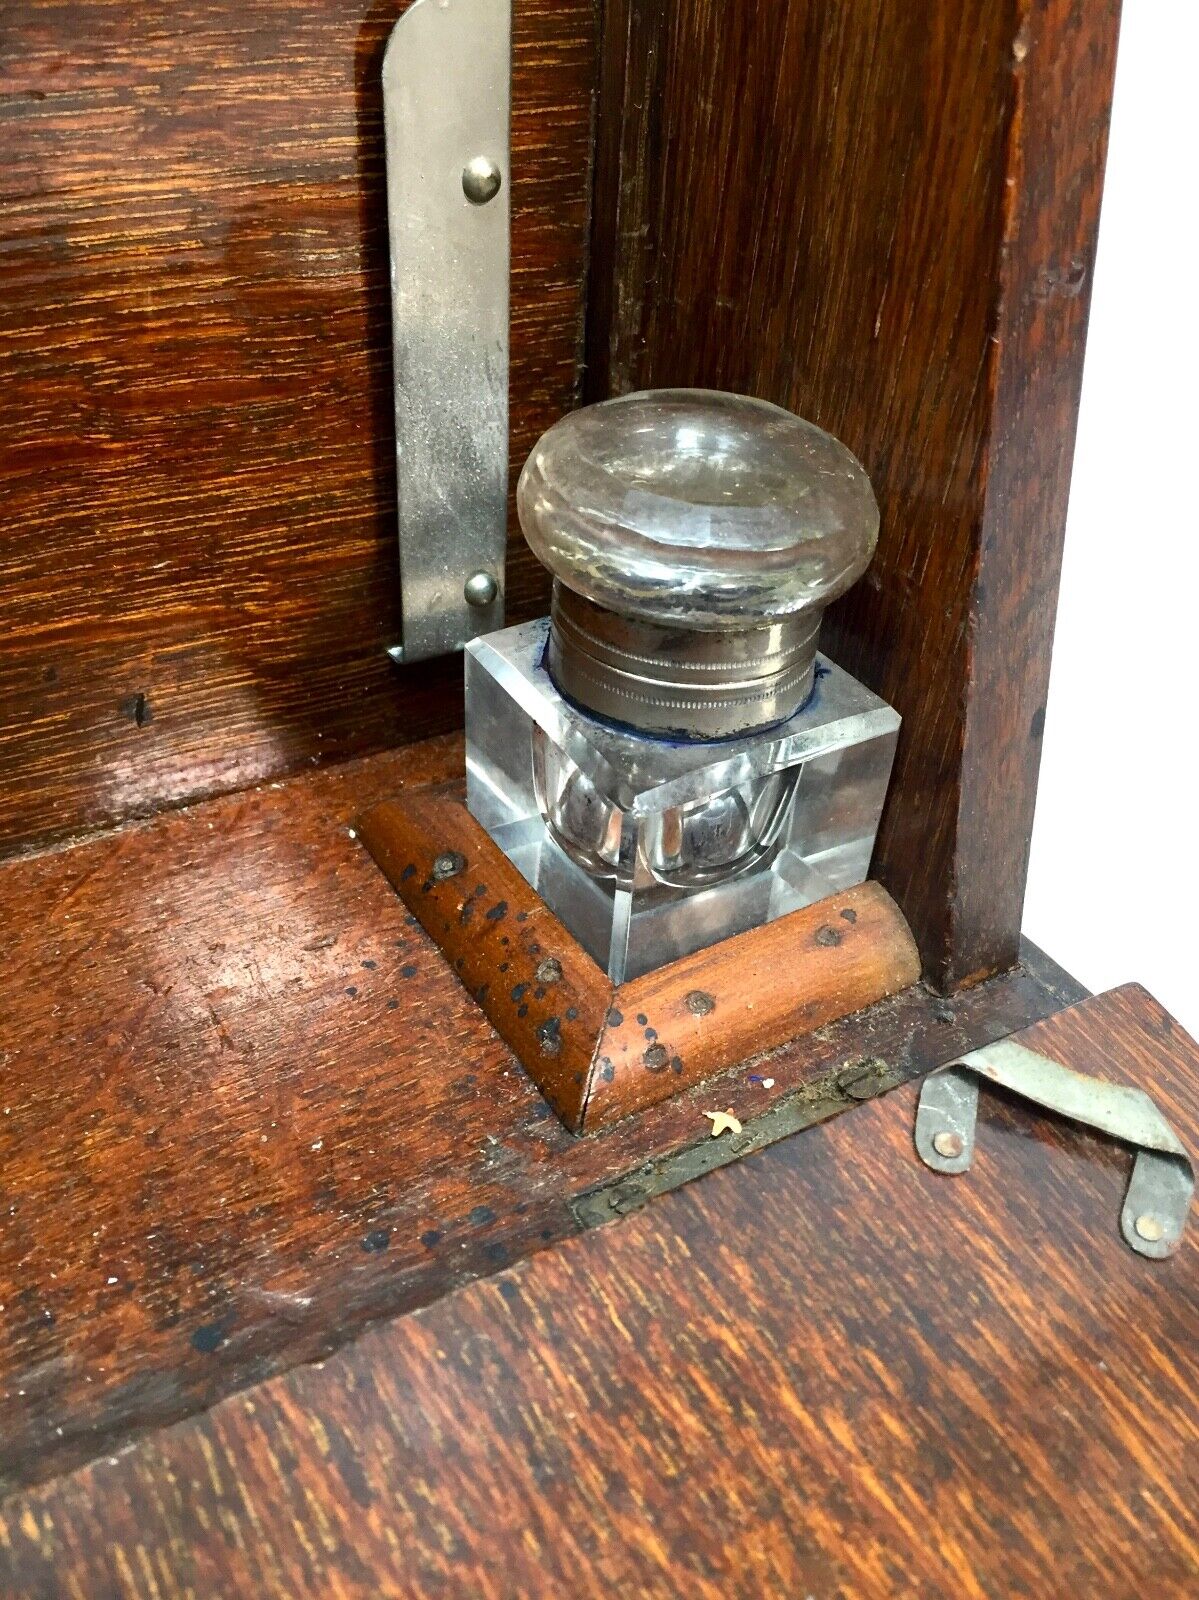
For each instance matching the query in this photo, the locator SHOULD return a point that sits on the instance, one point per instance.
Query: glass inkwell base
(648, 848)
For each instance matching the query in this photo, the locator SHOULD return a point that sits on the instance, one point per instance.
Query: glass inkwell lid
(666, 757)
(695, 539)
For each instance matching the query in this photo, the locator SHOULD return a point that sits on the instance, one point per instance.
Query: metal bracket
(446, 104)
(1163, 1180)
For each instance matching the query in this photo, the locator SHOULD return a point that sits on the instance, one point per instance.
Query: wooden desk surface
(821, 1371)
(248, 1109)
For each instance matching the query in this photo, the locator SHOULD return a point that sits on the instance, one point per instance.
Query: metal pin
(948, 1145)
(480, 589)
(480, 180)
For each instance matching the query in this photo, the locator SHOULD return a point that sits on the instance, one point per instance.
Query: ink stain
(377, 1239)
(211, 1336)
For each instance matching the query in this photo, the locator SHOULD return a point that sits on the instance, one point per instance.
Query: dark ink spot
(549, 1036)
(498, 912)
(539, 992)
(481, 1216)
(650, 1033)
(211, 1336)
(828, 938)
(522, 1011)
(408, 971)
(642, 1019)
(615, 1018)
(481, 992)
(370, 965)
(408, 872)
(1037, 726)
(393, 1005)
(519, 991)
(572, 1013)
(137, 708)
(676, 1064)
(504, 966)
(522, 916)
(509, 1290)
(430, 1237)
(377, 1239)
(496, 1251)
(607, 1070)
(850, 914)
(351, 991)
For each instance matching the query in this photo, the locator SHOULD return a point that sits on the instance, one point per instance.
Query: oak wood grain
(199, 557)
(600, 1051)
(248, 1109)
(884, 217)
(823, 1371)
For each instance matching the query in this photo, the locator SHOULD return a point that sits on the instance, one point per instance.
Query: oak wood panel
(247, 1109)
(884, 216)
(823, 1371)
(600, 1051)
(196, 440)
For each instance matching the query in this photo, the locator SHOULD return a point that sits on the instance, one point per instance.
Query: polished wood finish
(199, 564)
(884, 216)
(825, 1371)
(600, 1051)
(248, 1109)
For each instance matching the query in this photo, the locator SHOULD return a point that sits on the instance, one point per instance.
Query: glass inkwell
(666, 758)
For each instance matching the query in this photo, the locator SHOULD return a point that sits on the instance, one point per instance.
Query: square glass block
(647, 849)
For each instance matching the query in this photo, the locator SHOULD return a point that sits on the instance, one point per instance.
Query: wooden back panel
(883, 215)
(198, 552)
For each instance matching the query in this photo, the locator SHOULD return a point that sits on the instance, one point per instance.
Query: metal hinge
(1163, 1180)
(446, 104)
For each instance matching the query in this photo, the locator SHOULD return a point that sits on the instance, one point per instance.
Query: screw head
(700, 1003)
(1149, 1228)
(480, 589)
(481, 180)
(948, 1146)
(549, 970)
(448, 865)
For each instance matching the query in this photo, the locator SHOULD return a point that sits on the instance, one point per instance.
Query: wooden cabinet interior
(883, 216)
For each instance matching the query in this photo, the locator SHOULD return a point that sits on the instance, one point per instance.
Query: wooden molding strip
(599, 1052)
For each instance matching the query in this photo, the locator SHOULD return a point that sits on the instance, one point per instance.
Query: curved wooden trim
(599, 1052)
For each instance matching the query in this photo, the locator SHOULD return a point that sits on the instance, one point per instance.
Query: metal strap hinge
(1163, 1179)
